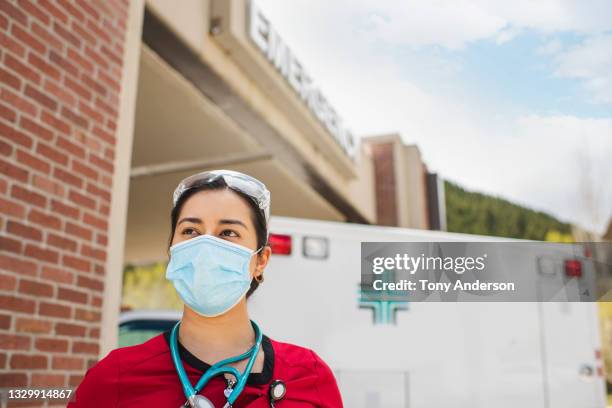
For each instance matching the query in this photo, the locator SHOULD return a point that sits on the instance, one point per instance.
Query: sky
(508, 98)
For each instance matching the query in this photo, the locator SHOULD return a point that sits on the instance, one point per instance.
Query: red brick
(79, 60)
(42, 254)
(93, 114)
(76, 263)
(66, 35)
(82, 200)
(10, 244)
(40, 97)
(83, 33)
(94, 85)
(25, 267)
(5, 323)
(9, 79)
(46, 37)
(4, 22)
(63, 63)
(100, 33)
(42, 65)
(56, 12)
(85, 347)
(7, 113)
(85, 6)
(71, 9)
(48, 185)
(75, 118)
(25, 231)
(70, 147)
(67, 363)
(95, 221)
(18, 103)
(32, 325)
(46, 220)
(84, 170)
(102, 239)
(31, 287)
(48, 380)
(106, 107)
(51, 153)
(57, 274)
(17, 304)
(110, 54)
(72, 295)
(13, 379)
(67, 177)
(87, 315)
(35, 129)
(33, 162)
(110, 81)
(99, 269)
(75, 380)
(20, 68)
(101, 163)
(91, 252)
(77, 88)
(54, 310)
(94, 333)
(14, 342)
(85, 282)
(14, 12)
(9, 44)
(100, 61)
(61, 242)
(9, 133)
(30, 41)
(8, 282)
(56, 122)
(51, 344)
(79, 231)
(60, 93)
(69, 329)
(5, 150)
(28, 361)
(65, 209)
(96, 301)
(27, 196)
(14, 172)
(34, 11)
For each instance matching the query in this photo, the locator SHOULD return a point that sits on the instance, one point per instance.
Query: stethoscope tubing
(217, 368)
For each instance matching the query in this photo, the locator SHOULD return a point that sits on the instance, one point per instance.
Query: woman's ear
(262, 260)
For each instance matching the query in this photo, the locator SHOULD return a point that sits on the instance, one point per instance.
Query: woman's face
(223, 214)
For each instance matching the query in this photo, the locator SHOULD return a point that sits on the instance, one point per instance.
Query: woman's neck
(215, 338)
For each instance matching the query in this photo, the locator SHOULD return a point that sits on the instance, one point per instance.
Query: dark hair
(257, 216)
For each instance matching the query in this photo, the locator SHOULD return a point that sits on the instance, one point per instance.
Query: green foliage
(475, 213)
(146, 287)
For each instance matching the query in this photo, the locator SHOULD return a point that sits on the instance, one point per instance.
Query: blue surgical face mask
(210, 274)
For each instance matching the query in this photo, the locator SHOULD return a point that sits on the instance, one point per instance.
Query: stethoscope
(194, 400)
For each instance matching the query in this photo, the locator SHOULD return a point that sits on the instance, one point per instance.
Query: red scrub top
(144, 376)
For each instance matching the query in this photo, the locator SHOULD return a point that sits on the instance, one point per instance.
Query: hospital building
(106, 105)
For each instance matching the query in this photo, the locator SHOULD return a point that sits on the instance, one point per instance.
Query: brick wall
(60, 65)
(384, 174)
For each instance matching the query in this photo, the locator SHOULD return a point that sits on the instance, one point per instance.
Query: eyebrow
(196, 220)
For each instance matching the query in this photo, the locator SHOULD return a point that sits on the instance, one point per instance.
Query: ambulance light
(280, 244)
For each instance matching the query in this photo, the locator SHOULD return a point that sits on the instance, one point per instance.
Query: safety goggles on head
(250, 186)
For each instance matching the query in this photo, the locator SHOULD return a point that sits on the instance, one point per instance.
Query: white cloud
(592, 62)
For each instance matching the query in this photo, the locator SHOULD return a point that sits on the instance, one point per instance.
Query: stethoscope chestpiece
(200, 401)
(277, 390)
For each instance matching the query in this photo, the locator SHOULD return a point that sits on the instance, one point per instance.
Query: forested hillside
(476, 213)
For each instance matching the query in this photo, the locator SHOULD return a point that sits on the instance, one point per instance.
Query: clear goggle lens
(244, 183)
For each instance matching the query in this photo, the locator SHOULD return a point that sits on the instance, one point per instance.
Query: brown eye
(189, 231)
(229, 233)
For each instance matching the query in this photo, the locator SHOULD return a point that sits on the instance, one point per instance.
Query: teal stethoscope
(195, 400)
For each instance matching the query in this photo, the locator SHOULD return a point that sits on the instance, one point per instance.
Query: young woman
(215, 356)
